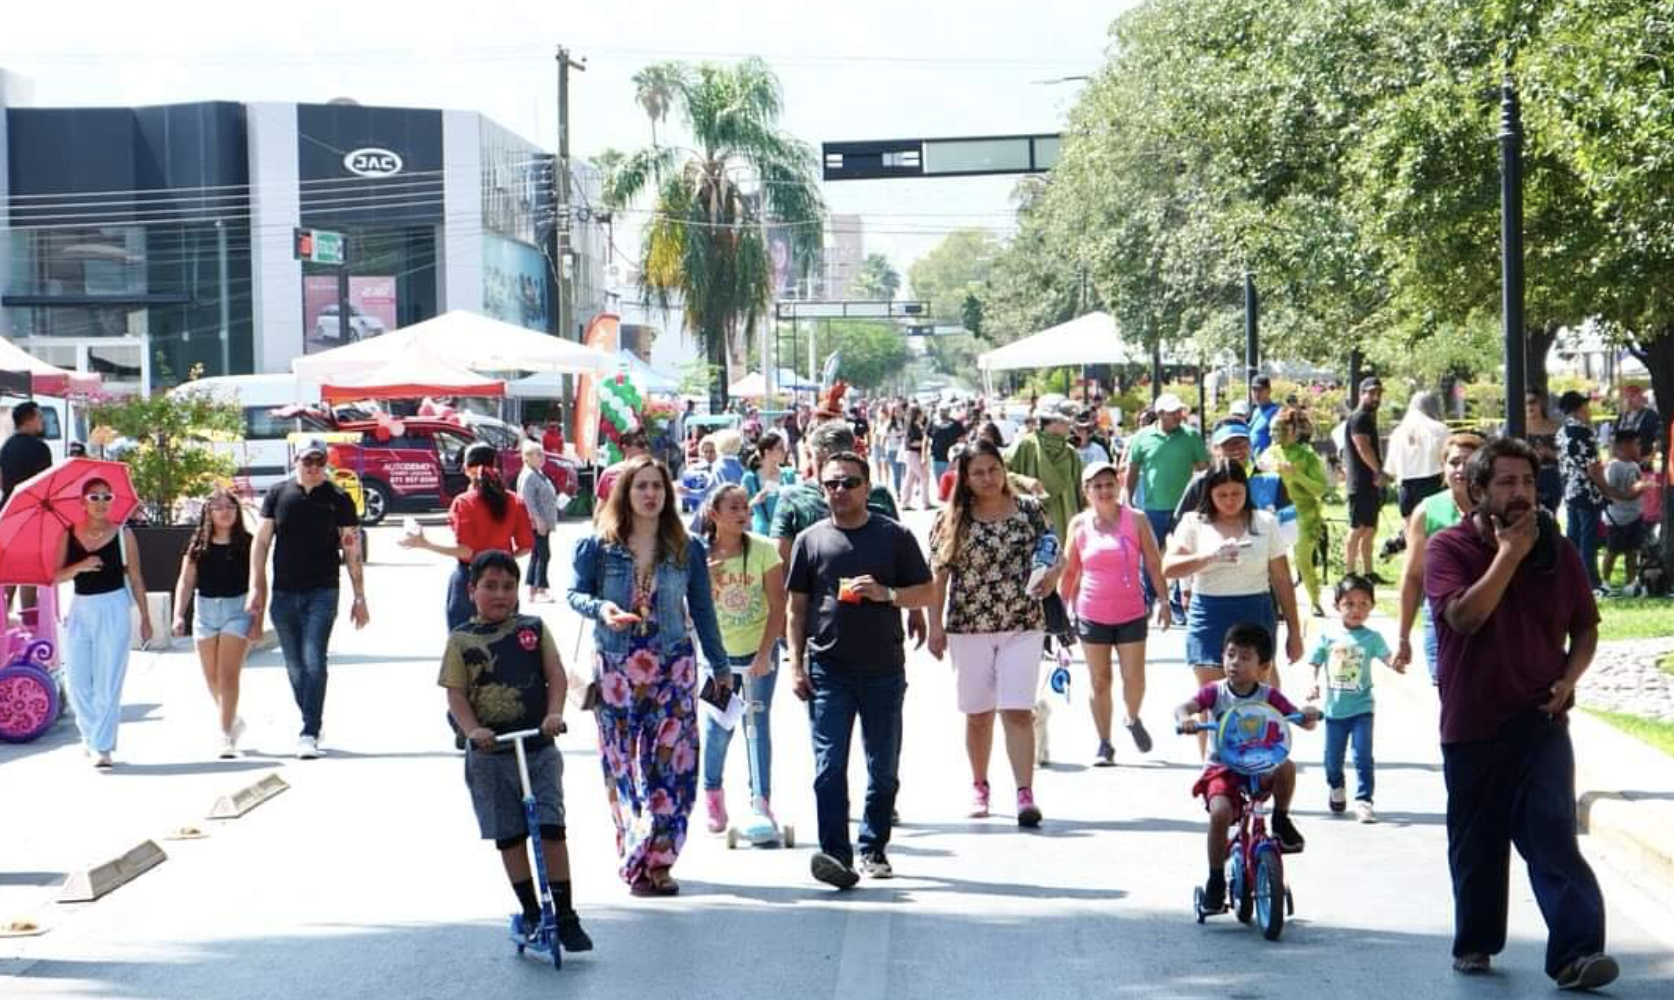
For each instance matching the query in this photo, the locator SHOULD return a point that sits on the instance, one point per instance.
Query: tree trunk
(715, 347)
(1657, 355)
(1538, 341)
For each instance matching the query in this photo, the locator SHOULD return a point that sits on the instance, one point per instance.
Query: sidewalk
(1624, 788)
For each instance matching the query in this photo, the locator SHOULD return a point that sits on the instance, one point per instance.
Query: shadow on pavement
(691, 946)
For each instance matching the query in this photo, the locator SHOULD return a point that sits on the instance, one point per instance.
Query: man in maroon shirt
(1517, 627)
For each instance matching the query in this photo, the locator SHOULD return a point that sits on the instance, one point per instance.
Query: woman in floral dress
(645, 583)
(994, 557)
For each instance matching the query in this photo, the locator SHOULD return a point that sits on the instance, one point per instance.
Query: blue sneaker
(1106, 755)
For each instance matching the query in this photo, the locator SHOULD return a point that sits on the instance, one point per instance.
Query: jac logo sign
(372, 162)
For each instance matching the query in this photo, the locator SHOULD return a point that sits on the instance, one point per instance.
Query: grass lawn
(1657, 734)
(1624, 617)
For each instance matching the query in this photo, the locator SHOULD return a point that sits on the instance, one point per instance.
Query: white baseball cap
(1168, 402)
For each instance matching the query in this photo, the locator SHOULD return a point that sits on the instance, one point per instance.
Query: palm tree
(655, 87)
(705, 239)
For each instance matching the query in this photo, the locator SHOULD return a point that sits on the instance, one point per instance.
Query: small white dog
(1050, 690)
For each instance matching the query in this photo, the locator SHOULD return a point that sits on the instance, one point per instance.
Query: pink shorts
(997, 670)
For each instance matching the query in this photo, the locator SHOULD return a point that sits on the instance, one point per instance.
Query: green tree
(173, 455)
(656, 88)
(874, 353)
(704, 241)
(875, 279)
(953, 271)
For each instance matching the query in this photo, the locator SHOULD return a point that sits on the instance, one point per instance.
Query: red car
(422, 467)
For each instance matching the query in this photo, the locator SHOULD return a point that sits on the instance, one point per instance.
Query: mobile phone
(712, 694)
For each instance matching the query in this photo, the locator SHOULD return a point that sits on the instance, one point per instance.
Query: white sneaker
(1363, 811)
(1338, 800)
(229, 748)
(238, 728)
(308, 748)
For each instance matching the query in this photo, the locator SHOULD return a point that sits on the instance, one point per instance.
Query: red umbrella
(45, 506)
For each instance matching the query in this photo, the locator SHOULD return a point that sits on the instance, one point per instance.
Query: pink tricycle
(31, 690)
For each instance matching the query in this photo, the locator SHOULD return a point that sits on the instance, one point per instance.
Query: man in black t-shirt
(947, 432)
(24, 453)
(1363, 460)
(307, 522)
(849, 578)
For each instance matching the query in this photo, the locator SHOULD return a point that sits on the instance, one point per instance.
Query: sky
(864, 69)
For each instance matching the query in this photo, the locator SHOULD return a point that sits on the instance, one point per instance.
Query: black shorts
(1621, 538)
(1364, 508)
(1112, 635)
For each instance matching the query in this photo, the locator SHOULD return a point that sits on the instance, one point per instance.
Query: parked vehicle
(61, 420)
(271, 414)
(361, 325)
(422, 466)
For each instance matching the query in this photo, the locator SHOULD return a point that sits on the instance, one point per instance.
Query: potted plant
(166, 441)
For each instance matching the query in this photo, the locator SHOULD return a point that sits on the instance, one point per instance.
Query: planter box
(160, 549)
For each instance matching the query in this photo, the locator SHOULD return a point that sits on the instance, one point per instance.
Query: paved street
(366, 878)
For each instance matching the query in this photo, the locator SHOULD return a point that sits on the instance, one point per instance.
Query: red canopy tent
(412, 376)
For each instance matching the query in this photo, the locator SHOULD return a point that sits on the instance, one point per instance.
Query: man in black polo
(1363, 458)
(311, 527)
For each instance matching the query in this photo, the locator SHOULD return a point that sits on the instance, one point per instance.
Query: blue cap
(1226, 432)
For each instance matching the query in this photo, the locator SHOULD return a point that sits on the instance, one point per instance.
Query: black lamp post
(1511, 254)
(1252, 338)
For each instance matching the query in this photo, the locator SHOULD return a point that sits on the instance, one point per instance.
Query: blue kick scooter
(544, 939)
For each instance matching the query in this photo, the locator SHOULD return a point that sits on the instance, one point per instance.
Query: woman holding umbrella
(94, 554)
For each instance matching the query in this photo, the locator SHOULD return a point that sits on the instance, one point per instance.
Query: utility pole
(1252, 338)
(566, 266)
(1511, 255)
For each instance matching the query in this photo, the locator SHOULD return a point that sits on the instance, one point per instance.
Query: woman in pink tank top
(1109, 550)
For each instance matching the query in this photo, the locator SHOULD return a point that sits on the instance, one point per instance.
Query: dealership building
(142, 243)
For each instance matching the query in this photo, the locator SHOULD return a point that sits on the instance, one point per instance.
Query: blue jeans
(897, 469)
(1518, 787)
(937, 467)
(540, 559)
(1162, 522)
(459, 609)
(1338, 733)
(758, 732)
(1581, 526)
(838, 698)
(303, 619)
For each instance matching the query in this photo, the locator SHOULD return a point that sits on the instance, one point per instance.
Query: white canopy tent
(548, 385)
(462, 339)
(1092, 339)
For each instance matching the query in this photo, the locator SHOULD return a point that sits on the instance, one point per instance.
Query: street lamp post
(1252, 338)
(1511, 254)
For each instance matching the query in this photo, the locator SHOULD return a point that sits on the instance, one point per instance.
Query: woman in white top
(1237, 562)
(1414, 456)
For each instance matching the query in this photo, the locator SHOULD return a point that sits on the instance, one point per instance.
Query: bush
(170, 455)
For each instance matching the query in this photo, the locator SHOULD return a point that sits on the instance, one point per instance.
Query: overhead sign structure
(968, 156)
(794, 309)
(373, 161)
(937, 330)
(322, 246)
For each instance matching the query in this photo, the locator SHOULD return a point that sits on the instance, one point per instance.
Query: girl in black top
(96, 631)
(215, 572)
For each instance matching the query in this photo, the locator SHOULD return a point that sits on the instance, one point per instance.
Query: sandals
(655, 882)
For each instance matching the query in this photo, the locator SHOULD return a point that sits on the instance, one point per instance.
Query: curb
(1631, 824)
(236, 804)
(91, 883)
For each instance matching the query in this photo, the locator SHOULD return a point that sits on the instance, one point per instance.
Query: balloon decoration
(619, 408)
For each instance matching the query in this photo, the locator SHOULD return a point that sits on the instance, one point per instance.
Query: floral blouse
(987, 587)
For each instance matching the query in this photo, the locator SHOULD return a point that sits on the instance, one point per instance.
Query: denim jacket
(604, 572)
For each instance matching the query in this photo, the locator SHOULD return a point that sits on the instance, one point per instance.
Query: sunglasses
(312, 461)
(99, 497)
(845, 483)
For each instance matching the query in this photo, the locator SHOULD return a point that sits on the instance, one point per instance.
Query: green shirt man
(1164, 456)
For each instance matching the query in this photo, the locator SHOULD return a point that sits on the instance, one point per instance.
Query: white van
(62, 421)
(264, 454)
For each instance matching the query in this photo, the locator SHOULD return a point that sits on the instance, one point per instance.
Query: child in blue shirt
(1346, 651)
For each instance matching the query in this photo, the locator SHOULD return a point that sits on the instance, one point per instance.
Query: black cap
(1370, 382)
(480, 453)
(1262, 382)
